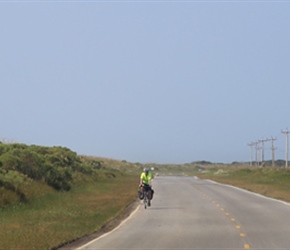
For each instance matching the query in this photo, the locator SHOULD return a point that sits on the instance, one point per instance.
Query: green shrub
(57, 177)
(50, 166)
(9, 161)
(12, 181)
(30, 163)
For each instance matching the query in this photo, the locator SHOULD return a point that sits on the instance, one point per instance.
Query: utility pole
(251, 152)
(286, 132)
(263, 149)
(273, 150)
(259, 155)
(256, 144)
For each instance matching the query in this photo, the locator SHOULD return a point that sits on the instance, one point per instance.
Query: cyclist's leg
(149, 194)
(149, 198)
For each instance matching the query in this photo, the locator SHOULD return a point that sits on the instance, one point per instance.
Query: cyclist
(145, 184)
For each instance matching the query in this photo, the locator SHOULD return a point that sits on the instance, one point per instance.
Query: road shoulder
(109, 226)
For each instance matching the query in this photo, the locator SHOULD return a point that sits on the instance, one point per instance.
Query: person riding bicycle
(145, 184)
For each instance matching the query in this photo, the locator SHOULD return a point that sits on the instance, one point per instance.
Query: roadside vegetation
(50, 196)
(269, 181)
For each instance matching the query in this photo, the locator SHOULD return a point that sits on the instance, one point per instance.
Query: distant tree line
(201, 162)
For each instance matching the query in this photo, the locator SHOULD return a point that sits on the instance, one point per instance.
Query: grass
(123, 165)
(59, 217)
(271, 182)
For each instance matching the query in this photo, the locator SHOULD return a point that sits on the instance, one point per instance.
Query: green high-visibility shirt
(146, 179)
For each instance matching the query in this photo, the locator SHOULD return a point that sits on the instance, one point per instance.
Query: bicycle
(146, 201)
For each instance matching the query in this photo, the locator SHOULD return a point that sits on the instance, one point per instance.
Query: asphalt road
(188, 213)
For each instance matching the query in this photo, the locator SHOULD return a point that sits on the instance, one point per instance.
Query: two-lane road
(188, 213)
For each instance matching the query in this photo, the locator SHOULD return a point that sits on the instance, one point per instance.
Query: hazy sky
(146, 81)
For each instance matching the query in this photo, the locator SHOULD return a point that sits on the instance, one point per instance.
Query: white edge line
(104, 235)
(247, 191)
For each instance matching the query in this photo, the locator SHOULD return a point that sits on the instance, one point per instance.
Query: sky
(146, 81)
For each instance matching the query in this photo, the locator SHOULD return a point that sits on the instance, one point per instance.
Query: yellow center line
(246, 246)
